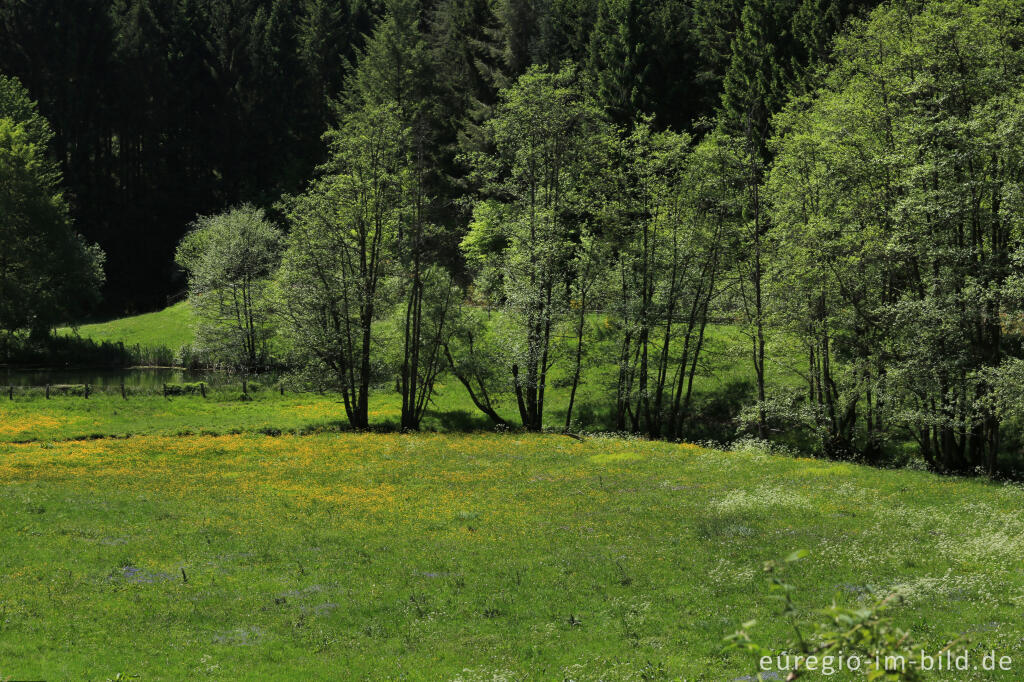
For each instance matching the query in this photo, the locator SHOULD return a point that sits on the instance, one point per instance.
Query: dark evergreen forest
(165, 109)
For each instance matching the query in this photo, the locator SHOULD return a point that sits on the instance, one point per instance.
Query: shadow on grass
(67, 351)
(456, 421)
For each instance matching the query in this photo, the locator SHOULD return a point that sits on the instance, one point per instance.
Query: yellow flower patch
(12, 426)
(612, 457)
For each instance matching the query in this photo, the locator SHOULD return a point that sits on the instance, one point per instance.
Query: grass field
(179, 538)
(724, 372)
(31, 417)
(107, 415)
(472, 557)
(170, 327)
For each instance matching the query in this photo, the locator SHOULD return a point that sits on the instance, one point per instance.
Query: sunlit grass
(170, 328)
(346, 556)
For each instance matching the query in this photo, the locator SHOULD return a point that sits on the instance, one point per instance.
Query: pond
(134, 377)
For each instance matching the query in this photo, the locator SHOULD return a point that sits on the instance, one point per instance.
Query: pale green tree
(394, 71)
(895, 197)
(681, 212)
(230, 259)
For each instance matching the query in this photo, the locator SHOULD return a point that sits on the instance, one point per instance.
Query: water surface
(136, 377)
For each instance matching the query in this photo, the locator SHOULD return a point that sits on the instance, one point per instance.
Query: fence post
(47, 391)
(202, 388)
(165, 390)
(245, 387)
(87, 391)
(124, 394)
(10, 392)
(282, 389)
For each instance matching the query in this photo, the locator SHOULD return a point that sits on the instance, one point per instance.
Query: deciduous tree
(230, 259)
(48, 273)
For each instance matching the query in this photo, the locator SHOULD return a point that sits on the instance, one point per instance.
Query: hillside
(170, 327)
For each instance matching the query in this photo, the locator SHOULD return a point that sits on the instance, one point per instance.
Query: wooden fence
(85, 391)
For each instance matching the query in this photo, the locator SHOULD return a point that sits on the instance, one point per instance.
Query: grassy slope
(64, 418)
(441, 556)
(106, 414)
(476, 557)
(171, 327)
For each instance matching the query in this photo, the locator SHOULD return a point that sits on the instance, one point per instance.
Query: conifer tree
(619, 58)
(756, 80)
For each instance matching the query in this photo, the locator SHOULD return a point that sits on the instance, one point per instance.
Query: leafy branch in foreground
(857, 639)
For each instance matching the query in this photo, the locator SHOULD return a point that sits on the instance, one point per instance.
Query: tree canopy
(166, 109)
(517, 190)
(894, 199)
(231, 259)
(48, 274)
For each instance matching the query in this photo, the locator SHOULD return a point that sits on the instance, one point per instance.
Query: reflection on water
(133, 378)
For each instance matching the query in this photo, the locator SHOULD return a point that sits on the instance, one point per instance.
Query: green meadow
(471, 556)
(724, 383)
(183, 537)
(562, 340)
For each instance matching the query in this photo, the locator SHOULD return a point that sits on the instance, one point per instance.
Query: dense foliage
(515, 191)
(47, 271)
(230, 259)
(165, 109)
(896, 204)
